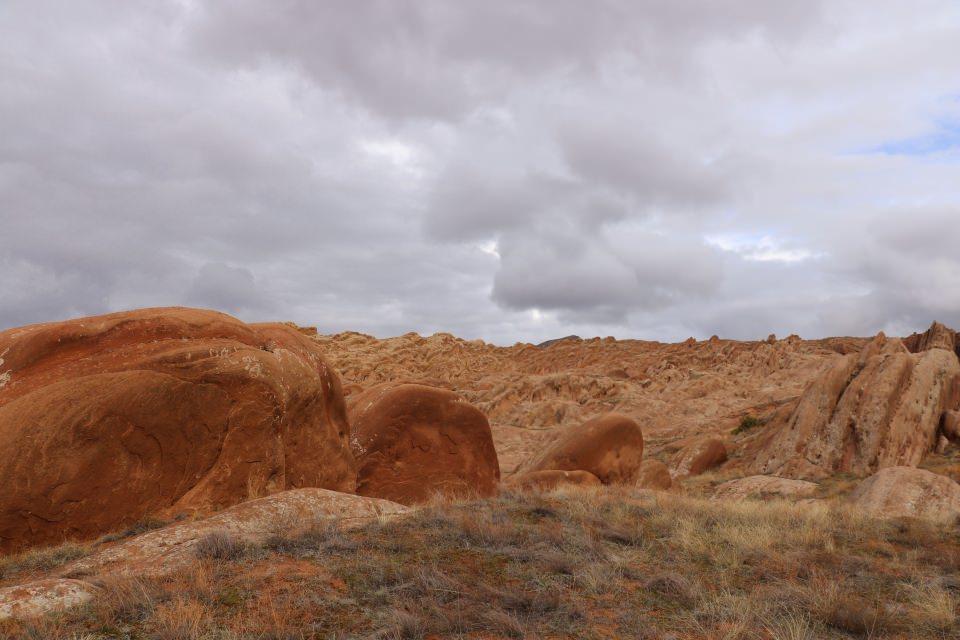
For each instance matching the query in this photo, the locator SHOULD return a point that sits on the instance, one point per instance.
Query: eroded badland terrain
(177, 473)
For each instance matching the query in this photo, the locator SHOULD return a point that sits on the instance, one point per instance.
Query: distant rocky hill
(528, 391)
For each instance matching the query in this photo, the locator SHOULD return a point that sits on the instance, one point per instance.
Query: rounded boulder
(412, 442)
(608, 446)
(700, 455)
(654, 475)
(109, 419)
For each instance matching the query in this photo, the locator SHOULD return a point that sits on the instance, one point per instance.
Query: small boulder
(609, 446)
(550, 480)
(702, 454)
(895, 492)
(412, 441)
(654, 475)
(764, 487)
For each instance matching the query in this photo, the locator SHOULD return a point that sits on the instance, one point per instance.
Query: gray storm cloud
(504, 170)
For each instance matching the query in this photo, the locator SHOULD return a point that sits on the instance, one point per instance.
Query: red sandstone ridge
(412, 441)
(105, 420)
(881, 408)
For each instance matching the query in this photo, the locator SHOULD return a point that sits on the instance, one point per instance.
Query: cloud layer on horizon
(510, 171)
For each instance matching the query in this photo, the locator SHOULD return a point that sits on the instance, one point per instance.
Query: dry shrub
(180, 619)
(672, 586)
(220, 545)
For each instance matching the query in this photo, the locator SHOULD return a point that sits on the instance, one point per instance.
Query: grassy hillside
(575, 564)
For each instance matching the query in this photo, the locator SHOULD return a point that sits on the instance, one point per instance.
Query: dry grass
(37, 560)
(574, 564)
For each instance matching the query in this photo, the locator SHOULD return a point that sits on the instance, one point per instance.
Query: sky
(511, 171)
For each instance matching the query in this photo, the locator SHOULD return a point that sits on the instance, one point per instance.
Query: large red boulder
(412, 442)
(108, 419)
(609, 446)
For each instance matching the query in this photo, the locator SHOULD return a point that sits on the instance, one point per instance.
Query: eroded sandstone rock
(877, 409)
(412, 441)
(764, 487)
(950, 426)
(700, 455)
(43, 596)
(654, 474)
(106, 420)
(896, 492)
(937, 336)
(608, 446)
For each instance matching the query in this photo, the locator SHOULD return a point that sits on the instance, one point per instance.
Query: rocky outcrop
(877, 409)
(106, 420)
(609, 446)
(653, 474)
(44, 596)
(167, 549)
(763, 488)
(937, 336)
(700, 455)
(550, 480)
(908, 492)
(412, 442)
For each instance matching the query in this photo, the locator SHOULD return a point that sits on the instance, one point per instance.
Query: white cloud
(501, 170)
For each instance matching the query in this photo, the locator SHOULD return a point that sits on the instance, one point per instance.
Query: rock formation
(764, 487)
(105, 420)
(609, 446)
(654, 474)
(702, 454)
(550, 480)
(530, 394)
(880, 408)
(896, 492)
(412, 441)
(937, 336)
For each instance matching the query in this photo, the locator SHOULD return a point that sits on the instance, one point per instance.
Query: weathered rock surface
(764, 487)
(937, 336)
(896, 492)
(105, 420)
(654, 474)
(701, 454)
(609, 446)
(43, 596)
(163, 550)
(878, 409)
(412, 441)
(950, 426)
(550, 480)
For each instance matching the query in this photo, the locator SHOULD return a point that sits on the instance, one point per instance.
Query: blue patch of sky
(946, 137)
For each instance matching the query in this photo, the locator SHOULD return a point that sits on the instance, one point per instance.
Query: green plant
(747, 423)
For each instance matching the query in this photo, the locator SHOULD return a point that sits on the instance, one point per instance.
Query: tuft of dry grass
(43, 559)
(219, 545)
(575, 563)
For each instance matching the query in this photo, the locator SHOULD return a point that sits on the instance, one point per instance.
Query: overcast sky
(513, 170)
